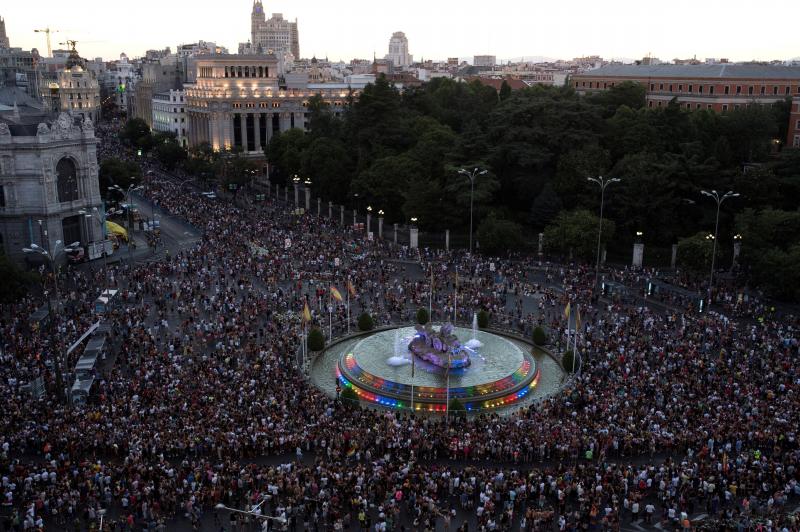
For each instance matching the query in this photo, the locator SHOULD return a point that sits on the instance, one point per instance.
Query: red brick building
(719, 87)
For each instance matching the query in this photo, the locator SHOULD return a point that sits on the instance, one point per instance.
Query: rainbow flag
(351, 288)
(336, 294)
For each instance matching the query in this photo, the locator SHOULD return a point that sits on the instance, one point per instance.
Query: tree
(456, 407)
(575, 233)
(422, 316)
(114, 171)
(136, 133)
(316, 340)
(16, 282)
(483, 319)
(771, 250)
(365, 322)
(505, 91)
(349, 397)
(568, 361)
(500, 236)
(694, 253)
(167, 150)
(539, 336)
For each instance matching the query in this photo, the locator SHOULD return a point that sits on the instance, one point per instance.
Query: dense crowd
(202, 401)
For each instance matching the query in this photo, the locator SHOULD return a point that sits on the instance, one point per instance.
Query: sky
(436, 29)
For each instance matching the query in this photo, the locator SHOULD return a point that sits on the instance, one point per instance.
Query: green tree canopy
(575, 232)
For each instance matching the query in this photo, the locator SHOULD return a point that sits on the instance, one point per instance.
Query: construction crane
(48, 31)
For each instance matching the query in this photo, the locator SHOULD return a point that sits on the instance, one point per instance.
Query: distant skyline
(435, 30)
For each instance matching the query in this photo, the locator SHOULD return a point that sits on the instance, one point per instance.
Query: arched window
(67, 180)
(260, 72)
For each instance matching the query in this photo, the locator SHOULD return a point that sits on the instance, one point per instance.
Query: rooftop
(722, 70)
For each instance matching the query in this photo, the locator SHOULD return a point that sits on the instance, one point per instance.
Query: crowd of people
(201, 402)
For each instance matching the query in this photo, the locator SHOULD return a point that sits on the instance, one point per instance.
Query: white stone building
(79, 93)
(398, 50)
(169, 114)
(48, 173)
(238, 102)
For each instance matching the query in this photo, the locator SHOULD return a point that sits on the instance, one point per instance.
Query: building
(162, 75)
(239, 102)
(119, 83)
(398, 50)
(720, 87)
(484, 61)
(4, 42)
(793, 138)
(79, 93)
(169, 114)
(276, 35)
(48, 174)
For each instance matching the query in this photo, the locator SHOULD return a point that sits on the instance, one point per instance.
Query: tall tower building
(398, 50)
(4, 43)
(276, 33)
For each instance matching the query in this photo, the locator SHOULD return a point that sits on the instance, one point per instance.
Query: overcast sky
(436, 29)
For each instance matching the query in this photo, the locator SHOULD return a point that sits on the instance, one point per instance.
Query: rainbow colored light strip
(423, 392)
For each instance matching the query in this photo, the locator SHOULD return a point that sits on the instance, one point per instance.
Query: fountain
(441, 348)
(398, 359)
(474, 343)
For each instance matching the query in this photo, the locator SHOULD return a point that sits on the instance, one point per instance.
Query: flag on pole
(351, 289)
(567, 311)
(306, 312)
(336, 294)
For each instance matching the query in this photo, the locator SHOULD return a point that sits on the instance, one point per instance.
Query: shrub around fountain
(539, 337)
(422, 316)
(315, 340)
(483, 319)
(567, 359)
(365, 322)
(349, 396)
(455, 407)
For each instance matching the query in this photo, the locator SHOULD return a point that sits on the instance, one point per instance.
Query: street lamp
(719, 199)
(380, 223)
(369, 218)
(471, 175)
(296, 181)
(52, 258)
(280, 519)
(127, 193)
(602, 183)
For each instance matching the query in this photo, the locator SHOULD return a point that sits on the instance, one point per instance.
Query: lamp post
(603, 183)
(280, 519)
(127, 194)
(296, 182)
(369, 218)
(52, 258)
(307, 189)
(719, 200)
(380, 224)
(471, 175)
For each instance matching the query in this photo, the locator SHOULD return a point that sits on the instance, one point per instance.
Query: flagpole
(455, 300)
(330, 316)
(430, 297)
(575, 349)
(348, 305)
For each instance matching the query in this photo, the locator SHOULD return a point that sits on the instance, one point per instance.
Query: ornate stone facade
(47, 174)
(238, 102)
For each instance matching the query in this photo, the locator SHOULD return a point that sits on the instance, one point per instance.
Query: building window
(724, 107)
(2, 196)
(576, 84)
(727, 89)
(750, 90)
(738, 89)
(650, 103)
(711, 89)
(670, 88)
(680, 88)
(690, 88)
(700, 89)
(708, 106)
(652, 86)
(763, 90)
(787, 89)
(775, 90)
(797, 141)
(67, 180)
